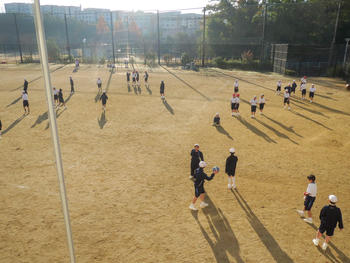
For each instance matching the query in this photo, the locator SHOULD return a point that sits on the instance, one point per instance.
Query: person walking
(230, 169)
(309, 198)
(104, 99)
(71, 84)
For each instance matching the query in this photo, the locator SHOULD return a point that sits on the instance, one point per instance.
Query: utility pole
(67, 37)
(330, 58)
(346, 52)
(112, 32)
(18, 40)
(262, 52)
(128, 47)
(158, 37)
(203, 44)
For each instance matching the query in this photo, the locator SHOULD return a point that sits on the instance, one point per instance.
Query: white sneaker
(308, 220)
(316, 241)
(324, 246)
(203, 204)
(192, 207)
(229, 186)
(301, 213)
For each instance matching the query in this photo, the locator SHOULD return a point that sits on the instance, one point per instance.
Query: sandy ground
(127, 171)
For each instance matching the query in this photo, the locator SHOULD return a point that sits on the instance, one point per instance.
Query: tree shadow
(149, 89)
(13, 124)
(278, 133)
(225, 240)
(222, 130)
(256, 130)
(289, 129)
(168, 107)
(265, 236)
(102, 120)
(14, 102)
(307, 118)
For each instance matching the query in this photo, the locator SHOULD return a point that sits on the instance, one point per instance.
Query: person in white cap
(309, 198)
(216, 121)
(312, 93)
(279, 86)
(25, 102)
(230, 169)
(253, 104)
(199, 191)
(286, 98)
(99, 84)
(330, 216)
(196, 157)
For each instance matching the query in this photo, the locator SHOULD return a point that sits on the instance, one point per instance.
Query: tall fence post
(262, 52)
(158, 37)
(112, 32)
(18, 39)
(67, 37)
(128, 44)
(203, 44)
(330, 58)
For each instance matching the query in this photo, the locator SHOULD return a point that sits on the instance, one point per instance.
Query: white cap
(202, 164)
(217, 113)
(232, 150)
(333, 198)
(196, 145)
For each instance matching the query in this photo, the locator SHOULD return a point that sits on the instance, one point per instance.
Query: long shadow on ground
(265, 236)
(14, 102)
(168, 107)
(307, 118)
(102, 120)
(13, 124)
(222, 130)
(289, 129)
(256, 130)
(225, 241)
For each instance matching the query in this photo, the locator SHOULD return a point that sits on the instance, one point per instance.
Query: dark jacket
(104, 98)
(331, 215)
(231, 163)
(200, 176)
(162, 86)
(0, 125)
(128, 76)
(217, 120)
(196, 156)
(71, 82)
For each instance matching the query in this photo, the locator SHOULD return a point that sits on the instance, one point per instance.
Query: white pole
(40, 34)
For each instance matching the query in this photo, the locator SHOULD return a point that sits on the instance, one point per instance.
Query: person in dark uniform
(128, 76)
(25, 86)
(230, 169)
(137, 77)
(294, 86)
(104, 99)
(330, 216)
(162, 88)
(216, 121)
(61, 99)
(146, 78)
(196, 157)
(71, 85)
(288, 88)
(199, 191)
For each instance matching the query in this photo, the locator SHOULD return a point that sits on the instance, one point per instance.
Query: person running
(279, 86)
(236, 86)
(294, 87)
(286, 98)
(261, 103)
(99, 84)
(303, 90)
(199, 191)
(25, 85)
(128, 77)
(25, 102)
(61, 99)
(312, 93)
(162, 88)
(309, 198)
(146, 78)
(237, 104)
(104, 99)
(230, 170)
(196, 157)
(330, 216)
(71, 84)
(233, 104)
(216, 121)
(253, 104)
(55, 96)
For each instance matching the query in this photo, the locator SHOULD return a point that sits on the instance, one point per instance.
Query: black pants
(194, 166)
(71, 88)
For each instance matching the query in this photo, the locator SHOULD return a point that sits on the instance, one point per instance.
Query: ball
(216, 169)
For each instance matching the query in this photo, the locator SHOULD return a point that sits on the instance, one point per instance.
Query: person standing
(303, 90)
(71, 84)
(128, 77)
(261, 103)
(253, 104)
(230, 169)
(233, 104)
(235, 90)
(312, 93)
(196, 157)
(162, 88)
(330, 216)
(288, 88)
(279, 86)
(104, 99)
(61, 99)
(146, 78)
(25, 102)
(286, 97)
(237, 104)
(309, 198)
(99, 84)
(25, 86)
(216, 121)
(294, 87)
(55, 96)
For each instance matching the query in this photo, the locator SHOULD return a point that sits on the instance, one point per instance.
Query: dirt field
(127, 172)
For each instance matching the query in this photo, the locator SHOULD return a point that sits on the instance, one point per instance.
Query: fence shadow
(256, 130)
(225, 241)
(289, 129)
(278, 133)
(14, 102)
(13, 124)
(168, 107)
(102, 120)
(222, 130)
(265, 236)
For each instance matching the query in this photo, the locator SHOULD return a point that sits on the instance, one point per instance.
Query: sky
(120, 4)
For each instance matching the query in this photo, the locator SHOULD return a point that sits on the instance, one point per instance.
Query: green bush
(102, 61)
(253, 65)
(185, 59)
(290, 72)
(28, 59)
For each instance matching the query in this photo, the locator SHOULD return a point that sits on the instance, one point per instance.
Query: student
(55, 96)
(261, 103)
(137, 76)
(288, 88)
(330, 216)
(286, 99)
(0, 128)
(25, 86)
(216, 121)
(303, 90)
(233, 104)
(303, 80)
(236, 86)
(128, 76)
(309, 198)
(133, 75)
(25, 102)
(199, 191)
(162, 87)
(146, 78)
(71, 85)
(253, 104)
(312, 93)
(61, 99)
(99, 84)
(196, 157)
(104, 99)
(230, 170)
(237, 104)
(76, 63)
(294, 86)
(279, 85)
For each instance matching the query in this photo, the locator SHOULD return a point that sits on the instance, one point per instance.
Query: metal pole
(262, 52)
(67, 37)
(158, 37)
(112, 32)
(346, 51)
(18, 40)
(203, 44)
(40, 33)
(334, 34)
(128, 46)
